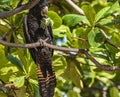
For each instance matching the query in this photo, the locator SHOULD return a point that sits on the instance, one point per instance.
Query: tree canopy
(87, 48)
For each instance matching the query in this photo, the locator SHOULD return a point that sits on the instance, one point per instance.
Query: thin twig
(105, 35)
(103, 67)
(19, 9)
(107, 38)
(78, 9)
(82, 39)
(107, 42)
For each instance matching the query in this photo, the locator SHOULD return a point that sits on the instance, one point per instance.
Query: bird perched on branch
(37, 27)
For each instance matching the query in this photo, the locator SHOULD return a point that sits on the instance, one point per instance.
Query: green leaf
(89, 13)
(113, 8)
(23, 58)
(95, 37)
(106, 75)
(101, 14)
(14, 3)
(59, 64)
(19, 81)
(21, 92)
(106, 11)
(32, 70)
(115, 39)
(2, 56)
(4, 1)
(3, 27)
(7, 70)
(80, 38)
(57, 21)
(68, 34)
(107, 21)
(114, 92)
(72, 93)
(58, 93)
(18, 19)
(15, 61)
(59, 32)
(34, 87)
(72, 73)
(4, 5)
(73, 19)
(2, 94)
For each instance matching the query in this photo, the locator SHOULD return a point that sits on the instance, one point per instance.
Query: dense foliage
(76, 75)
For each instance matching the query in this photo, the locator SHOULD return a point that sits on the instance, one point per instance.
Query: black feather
(42, 56)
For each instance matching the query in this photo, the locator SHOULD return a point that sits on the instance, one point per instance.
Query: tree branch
(28, 5)
(82, 51)
(107, 42)
(37, 44)
(78, 9)
(107, 38)
(6, 87)
(103, 67)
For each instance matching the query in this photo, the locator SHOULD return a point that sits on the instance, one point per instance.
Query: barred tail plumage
(47, 82)
(52, 83)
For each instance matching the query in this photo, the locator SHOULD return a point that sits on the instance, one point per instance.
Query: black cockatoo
(37, 26)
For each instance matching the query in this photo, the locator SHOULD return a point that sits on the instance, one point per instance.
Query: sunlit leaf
(23, 59)
(89, 13)
(21, 92)
(19, 81)
(18, 19)
(2, 56)
(3, 28)
(59, 63)
(59, 32)
(32, 70)
(114, 92)
(106, 75)
(106, 11)
(113, 8)
(2, 94)
(72, 73)
(34, 87)
(79, 38)
(57, 21)
(73, 94)
(101, 13)
(58, 93)
(73, 19)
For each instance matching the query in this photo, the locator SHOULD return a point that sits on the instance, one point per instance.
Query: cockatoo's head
(41, 9)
